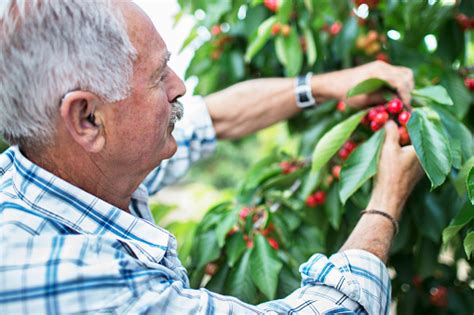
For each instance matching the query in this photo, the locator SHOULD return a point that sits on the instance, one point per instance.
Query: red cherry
(233, 230)
(341, 106)
(469, 82)
(395, 106)
(276, 28)
(210, 269)
(244, 213)
(311, 201)
(320, 197)
(382, 57)
(273, 243)
(250, 243)
(366, 120)
(344, 154)
(381, 118)
(350, 145)
(417, 281)
(403, 118)
(335, 28)
(303, 43)
(404, 136)
(266, 231)
(271, 5)
(439, 296)
(372, 113)
(463, 21)
(374, 126)
(216, 30)
(285, 30)
(336, 171)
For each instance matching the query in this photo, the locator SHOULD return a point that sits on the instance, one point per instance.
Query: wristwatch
(303, 93)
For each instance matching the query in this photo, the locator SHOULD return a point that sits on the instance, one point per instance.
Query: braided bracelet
(384, 214)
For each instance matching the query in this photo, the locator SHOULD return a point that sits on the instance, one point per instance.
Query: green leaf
(361, 165)
(207, 248)
(185, 235)
(191, 37)
(284, 10)
(457, 132)
(367, 86)
(469, 244)
(217, 282)
(161, 210)
(239, 283)
(228, 222)
(263, 34)
(289, 52)
(436, 93)
(460, 181)
(465, 215)
(431, 145)
(470, 185)
(235, 247)
(333, 207)
(462, 99)
(311, 52)
(333, 140)
(265, 267)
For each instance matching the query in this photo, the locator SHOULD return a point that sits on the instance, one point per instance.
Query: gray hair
(51, 47)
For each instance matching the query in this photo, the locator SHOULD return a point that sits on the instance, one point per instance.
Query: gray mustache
(177, 112)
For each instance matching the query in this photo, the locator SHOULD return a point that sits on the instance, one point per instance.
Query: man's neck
(86, 172)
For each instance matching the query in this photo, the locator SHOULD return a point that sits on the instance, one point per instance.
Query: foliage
(272, 223)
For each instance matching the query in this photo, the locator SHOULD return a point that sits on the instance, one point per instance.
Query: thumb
(391, 131)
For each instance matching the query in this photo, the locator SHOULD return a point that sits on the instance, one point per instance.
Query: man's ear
(82, 117)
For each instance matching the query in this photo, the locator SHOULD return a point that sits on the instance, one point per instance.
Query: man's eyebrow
(156, 74)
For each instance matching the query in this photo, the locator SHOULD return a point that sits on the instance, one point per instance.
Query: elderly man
(89, 105)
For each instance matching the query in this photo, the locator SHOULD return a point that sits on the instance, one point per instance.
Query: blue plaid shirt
(64, 250)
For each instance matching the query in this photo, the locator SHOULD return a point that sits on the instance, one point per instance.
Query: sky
(162, 14)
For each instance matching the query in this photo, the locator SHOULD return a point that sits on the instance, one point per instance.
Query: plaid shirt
(66, 251)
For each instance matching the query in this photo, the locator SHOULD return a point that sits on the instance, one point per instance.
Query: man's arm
(255, 104)
(399, 171)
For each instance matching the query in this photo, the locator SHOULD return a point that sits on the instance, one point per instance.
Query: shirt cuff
(358, 274)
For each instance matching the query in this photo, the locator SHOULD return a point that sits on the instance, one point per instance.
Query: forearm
(253, 105)
(374, 233)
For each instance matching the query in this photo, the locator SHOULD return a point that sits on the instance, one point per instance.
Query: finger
(365, 100)
(391, 136)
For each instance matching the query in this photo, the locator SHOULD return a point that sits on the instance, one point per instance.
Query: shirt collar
(84, 212)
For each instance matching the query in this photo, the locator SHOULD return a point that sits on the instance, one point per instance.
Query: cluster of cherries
(316, 199)
(244, 213)
(288, 167)
(283, 29)
(394, 109)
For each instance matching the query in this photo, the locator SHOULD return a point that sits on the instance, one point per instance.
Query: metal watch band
(303, 93)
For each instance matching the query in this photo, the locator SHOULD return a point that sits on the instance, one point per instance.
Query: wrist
(391, 203)
(322, 88)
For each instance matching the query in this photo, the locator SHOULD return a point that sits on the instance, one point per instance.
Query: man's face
(138, 129)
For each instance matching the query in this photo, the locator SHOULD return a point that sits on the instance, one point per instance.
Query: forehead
(143, 35)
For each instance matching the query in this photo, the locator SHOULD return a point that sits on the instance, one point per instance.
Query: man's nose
(177, 87)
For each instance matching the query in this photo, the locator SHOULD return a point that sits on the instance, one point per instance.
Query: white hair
(51, 47)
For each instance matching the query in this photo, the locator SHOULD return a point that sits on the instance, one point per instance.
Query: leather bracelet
(384, 214)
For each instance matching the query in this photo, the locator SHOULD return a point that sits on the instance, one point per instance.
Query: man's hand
(399, 171)
(337, 84)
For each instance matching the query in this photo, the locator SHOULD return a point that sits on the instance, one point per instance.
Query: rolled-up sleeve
(357, 274)
(196, 139)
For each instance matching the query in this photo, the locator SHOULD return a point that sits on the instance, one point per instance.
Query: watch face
(303, 97)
